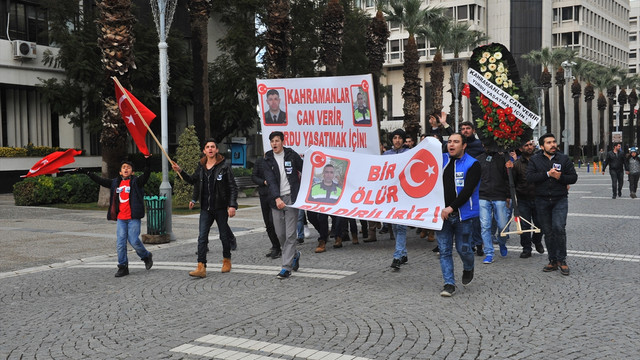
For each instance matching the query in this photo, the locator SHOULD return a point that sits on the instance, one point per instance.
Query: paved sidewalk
(59, 299)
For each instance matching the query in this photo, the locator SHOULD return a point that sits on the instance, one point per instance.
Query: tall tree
(543, 57)
(304, 44)
(437, 32)
(376, 50)
(115, 39)
(558, 56)
(603, 79)
(332, 31)
(278, 38)
(413, 19)
(199, 11)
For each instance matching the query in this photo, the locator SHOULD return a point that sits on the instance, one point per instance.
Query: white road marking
(258, 350)
(592, 255)
(632, 217)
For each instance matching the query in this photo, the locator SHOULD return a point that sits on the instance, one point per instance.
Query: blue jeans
(129, 230)
(400, 232)
(552, 216)
(488, 210)
(527, 209)
(461, 230)
(300, 224)
(476, 234)
(206, 221)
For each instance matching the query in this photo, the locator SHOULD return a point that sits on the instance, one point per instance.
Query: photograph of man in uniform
(274, 115)
(326, 191)
(361, 113)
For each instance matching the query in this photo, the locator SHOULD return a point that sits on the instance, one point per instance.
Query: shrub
(187, 155)
(239, 171)
(77, 189)
(12, 152)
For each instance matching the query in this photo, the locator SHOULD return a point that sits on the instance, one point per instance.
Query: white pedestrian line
(259, 350)
(632, 217)
(236, 268)
(579, 192)
(582, 184)
(606, 197)
(591, 254)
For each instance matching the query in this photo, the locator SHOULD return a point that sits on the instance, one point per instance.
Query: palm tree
(409, 14)
(558, 56)
(332, 31)
(616, 74)
(604, 80)
(589, 73)
(377, 36)
(626, 83)
(460, 39)
(579, 69)
(199, 11)
(437, 33)
(633, 101)
(115, 40)
(278, 38)
(543, 57)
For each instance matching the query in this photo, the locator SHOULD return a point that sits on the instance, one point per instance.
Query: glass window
(472, 11)
(567, 13)
(462, 12)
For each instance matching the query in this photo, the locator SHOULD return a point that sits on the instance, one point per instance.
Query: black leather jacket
(546, 186)
(225, 193)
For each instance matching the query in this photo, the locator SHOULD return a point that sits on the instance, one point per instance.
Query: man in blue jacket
(282, 169)
(552, 172)
(460, 178)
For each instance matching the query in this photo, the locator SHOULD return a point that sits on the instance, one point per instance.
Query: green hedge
(29, 150)
(76, 188)
(238, 171)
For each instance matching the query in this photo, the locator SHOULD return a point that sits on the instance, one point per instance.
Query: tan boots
(200, 271)
(226, 265)
(354, 238)
(321, 246)
(338, 242)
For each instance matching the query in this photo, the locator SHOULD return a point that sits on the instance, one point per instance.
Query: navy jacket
(272, 174)
(136, 196)
(546, 186)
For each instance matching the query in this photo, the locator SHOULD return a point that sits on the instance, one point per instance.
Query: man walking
(258, 178)
(551, 172)
(632, 167)
(475, 149)
(460, 177)
(615, 161)
(526, 194)
(282, 170)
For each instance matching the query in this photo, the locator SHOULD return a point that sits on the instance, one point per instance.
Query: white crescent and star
(409, 178)
(130, 117)
(42, 163)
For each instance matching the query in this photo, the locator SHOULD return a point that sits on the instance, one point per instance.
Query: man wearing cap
(632, 167)
(399, 231)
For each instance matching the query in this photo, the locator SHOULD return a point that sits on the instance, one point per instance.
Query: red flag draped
(132, 120)
(466, 91)
(50, 163)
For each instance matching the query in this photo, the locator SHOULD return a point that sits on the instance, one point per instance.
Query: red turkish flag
(466, 91)
(136, 128)
(50, 163)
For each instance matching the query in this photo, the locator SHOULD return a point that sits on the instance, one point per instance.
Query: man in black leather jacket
(615, 160)
(552, 173)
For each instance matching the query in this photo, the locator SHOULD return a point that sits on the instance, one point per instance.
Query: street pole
(456, 78)
(567, 66)
(163, 14)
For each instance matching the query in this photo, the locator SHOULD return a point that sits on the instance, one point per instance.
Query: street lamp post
(539, 100)
(567, 66)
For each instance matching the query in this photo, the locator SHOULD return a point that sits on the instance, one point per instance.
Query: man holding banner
(282, 168)
(460, 177)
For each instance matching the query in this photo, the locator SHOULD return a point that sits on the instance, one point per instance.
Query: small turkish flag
(466, 91)
(52, 162)
(132, 120)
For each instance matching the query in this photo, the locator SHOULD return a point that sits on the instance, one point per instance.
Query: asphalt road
(59, 298)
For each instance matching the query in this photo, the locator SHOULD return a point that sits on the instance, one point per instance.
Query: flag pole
(115, 79)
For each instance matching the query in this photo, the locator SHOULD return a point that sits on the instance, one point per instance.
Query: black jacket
(225, 189)
(524, 189)
(136, 196)
(614, 161)
(494, 180)
(474, 147)
(272, 174)
(258, 178)
(546, 186)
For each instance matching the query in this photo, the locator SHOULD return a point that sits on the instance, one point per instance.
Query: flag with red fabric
(466, 91)
(52, 162)
(136, 127)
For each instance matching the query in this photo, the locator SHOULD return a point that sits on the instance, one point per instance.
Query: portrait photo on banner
(361, 109)
(328, 177)
(274, 107)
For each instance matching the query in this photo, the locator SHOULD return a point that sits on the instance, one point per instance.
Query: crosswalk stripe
(255, 346)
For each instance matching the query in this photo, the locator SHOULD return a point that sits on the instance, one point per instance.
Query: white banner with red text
(332, 112)
(403, 189)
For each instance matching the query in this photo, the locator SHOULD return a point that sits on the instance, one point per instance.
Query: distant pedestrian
(126, 207)
(214, 187)
(282, 170)
(615, 161)
(526, 194)
(258, 178)
(460, 179)
(551, 172)
(632, 167)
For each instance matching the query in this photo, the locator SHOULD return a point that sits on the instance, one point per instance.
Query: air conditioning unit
(24, 49)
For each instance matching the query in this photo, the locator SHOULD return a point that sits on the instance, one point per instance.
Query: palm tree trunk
(577, 144)
(437, 82)
(411, 89)
(199, 11)
(332, 32)
(278, 38)
(602, 106)
(115, 20)
(377, 36)
(563, 114)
